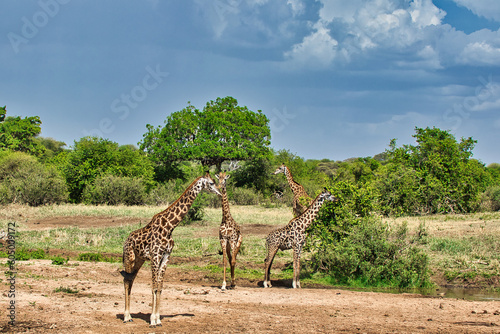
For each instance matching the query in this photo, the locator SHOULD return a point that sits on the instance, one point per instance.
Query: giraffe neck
(306, 219)
(226, 214)
(174, 214)
(293, 185)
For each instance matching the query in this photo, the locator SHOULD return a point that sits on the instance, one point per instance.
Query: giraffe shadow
(279, 283)
(146, 316)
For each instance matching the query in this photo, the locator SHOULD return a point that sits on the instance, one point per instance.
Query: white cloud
(480, 53)
(424, 13)
(363, 25)
(317, 50)
(490, 9)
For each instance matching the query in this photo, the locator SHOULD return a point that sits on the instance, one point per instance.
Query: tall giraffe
(293, 236)
(154, 242)
(298, 191)
(229, 231)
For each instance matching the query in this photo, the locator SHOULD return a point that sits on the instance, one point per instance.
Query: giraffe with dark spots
(299, 194)
(154, 242)
(293, 236)
(229, 232)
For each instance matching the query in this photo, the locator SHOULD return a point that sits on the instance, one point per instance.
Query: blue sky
(337, 79)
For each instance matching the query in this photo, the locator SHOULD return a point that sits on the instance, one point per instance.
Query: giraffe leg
(223, 243)
(158, 271)
(132, 264)
(234, 252)
(296, 267)
(271, 252)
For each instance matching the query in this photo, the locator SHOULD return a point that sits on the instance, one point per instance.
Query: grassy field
(463, 249)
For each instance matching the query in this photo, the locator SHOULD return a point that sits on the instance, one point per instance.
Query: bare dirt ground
(92, 302)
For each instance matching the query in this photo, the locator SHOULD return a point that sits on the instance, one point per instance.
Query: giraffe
(293, 236)
(298, 191)
(154, 242)
(229, 232)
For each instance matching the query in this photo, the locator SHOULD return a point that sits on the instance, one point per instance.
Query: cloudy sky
(336, 78)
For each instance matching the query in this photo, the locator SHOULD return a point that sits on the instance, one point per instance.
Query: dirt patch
(85, 297)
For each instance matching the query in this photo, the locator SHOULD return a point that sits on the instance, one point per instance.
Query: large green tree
(221, 131)
(18, 134)
(437, 175)
(94, 157)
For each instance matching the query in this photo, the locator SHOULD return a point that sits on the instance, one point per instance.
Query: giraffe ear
(217, 176)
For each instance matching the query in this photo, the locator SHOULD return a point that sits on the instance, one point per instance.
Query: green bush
(113, 190)
(92, 158)
(58, 260)
(24, 254)
(26, 181)
(490, 200)
(243, 196)
(162, 194)
(373, 255)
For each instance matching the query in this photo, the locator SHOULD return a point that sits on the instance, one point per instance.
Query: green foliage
(65, 290)
(94, 157)
(18, 134)
(58, 260)
(372, 255)
(113, 190)
(52, 148)
(221, 131)
(95, 257)
(435, 176)
(24, 180)
(24, 254)
(491, 198)
(243, 196)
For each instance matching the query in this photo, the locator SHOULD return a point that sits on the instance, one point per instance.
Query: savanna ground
(87, 297)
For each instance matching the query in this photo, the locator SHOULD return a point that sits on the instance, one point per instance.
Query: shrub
(26, 181)
(373, 255)
(58, 260)
(490, 200)
(162, 194)
(113, 190)
(243, 196)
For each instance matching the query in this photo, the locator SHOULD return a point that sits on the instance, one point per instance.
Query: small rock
(473, 312)
(497, 312)
(441, 306)
(485, 312)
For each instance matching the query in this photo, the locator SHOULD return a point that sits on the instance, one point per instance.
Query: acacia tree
(221, 131)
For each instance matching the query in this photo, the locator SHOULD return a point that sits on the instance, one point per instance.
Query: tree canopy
(221, 131)
(18, 134)
(93, 157)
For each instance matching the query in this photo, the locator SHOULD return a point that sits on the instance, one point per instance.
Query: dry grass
(454, 226)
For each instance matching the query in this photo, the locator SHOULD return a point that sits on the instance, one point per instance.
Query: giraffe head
(222, 178)
(207, 183)
(327, 196)
(280, 169)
